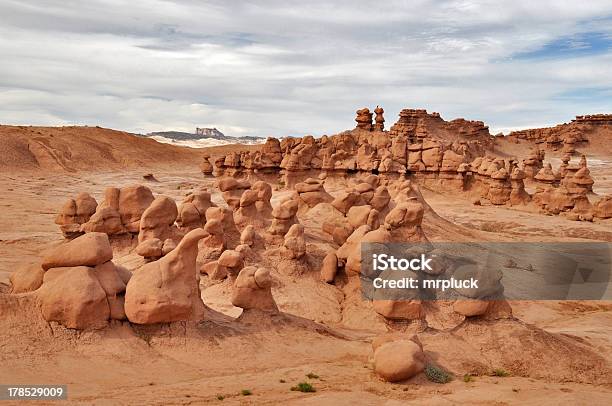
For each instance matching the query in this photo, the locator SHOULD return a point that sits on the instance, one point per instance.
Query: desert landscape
(136, 272)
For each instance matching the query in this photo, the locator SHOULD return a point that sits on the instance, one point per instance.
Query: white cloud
(291, 68)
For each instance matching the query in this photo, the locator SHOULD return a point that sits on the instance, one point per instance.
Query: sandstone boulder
(232, 262)
(132, 203)
(167, 290)
(346, 200)
(74, 298)
(399, 360)
(74, 213)
(284, 217)
(329, 268)
(252, 290)
(471, 308)
(294, 245)
(105, 220)
(205, 166)
(603, 208)
(90, 250)
(248, 235)
(158, 219)
(26, 279)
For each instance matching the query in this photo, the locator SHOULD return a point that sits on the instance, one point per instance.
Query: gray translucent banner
(486, 271)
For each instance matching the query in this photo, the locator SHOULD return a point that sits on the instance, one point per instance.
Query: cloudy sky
(300, 67)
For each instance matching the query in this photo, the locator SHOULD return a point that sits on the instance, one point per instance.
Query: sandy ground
(319, 332)
(119, 366)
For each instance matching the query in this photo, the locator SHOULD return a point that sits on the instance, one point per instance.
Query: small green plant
(246, 392)
(312, 376)
(437, 374)
(220, 397)
(500, 372)
(303, 387)
(468, 378)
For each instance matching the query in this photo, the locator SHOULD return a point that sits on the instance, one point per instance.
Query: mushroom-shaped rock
(252, 290)
(231, 235)
(74, 213)
(294, 245)
(248, 235)
(346, 200)
(232, 189)
(168, 289)
(214, 243)
(158, 219)
(192, 211)
(90, 249)
(398, 360)
(284, 217)
(205, 166)
(264, 194)
(232, 262)
(254, 207)
(133, 201)
(546, 175)
(329, 267)
(105, 220)
(189, 217)
(380, 199)
(311, 192)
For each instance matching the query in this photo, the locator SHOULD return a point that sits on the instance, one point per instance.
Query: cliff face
(569, 135)
(418, 141)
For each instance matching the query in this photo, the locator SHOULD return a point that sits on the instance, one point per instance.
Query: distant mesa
(209, 132)
(210, 136)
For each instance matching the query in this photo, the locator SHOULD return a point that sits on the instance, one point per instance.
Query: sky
(291, 68)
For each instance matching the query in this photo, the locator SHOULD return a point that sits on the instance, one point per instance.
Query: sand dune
(91, 149)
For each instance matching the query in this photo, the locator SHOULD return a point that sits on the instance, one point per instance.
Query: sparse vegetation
(312, 376)
(281, 380)
(303, 387)
(220, 397)
(468, 378)
(500, 372)
(246, 392)
(437, 374)
(510, 263)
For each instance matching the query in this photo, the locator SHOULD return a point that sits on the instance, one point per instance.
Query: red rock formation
(364, 119)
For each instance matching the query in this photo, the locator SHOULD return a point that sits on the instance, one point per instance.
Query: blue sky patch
(582, 44)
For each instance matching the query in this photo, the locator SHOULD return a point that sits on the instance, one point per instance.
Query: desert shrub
(246, 392)
(500, 372)
(437, 374)
(220, 397)
(303, 387)
(468, 378)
